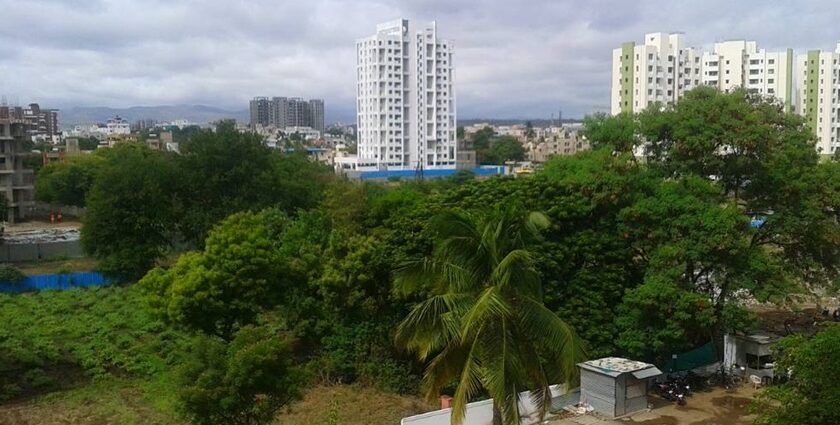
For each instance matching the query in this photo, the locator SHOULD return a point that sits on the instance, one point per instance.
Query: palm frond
(468, 385)
(554, 336)
(489, 307)
(504, 376)
(432, 324)
(517, 268)
(538, 380)
(443, 368)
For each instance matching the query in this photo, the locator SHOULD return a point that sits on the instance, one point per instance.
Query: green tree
(484, 323)
(244, 382)
(758, 163)
(690, 237)
(238, 276)
(130, 219)
(88, 143)
(618, 133)
(585, 261)
(226, 171)
(658, 319)
(481, 138)
(502, 149)
(811, 395)
(69, 182)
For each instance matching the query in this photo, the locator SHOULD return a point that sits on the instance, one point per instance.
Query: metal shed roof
(615, 366)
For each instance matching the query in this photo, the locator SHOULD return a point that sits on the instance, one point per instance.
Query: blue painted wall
(55, 281)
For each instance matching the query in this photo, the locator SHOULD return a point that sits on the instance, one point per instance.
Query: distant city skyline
(514, 59)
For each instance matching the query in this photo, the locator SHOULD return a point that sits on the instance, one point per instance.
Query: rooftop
(615, 366)
(759, 338)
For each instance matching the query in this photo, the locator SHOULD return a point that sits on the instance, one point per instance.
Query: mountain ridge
(199, 114)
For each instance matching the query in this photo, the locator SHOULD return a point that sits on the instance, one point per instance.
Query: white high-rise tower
(405, 93)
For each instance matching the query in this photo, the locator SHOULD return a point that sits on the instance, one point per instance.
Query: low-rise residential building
(554, 141)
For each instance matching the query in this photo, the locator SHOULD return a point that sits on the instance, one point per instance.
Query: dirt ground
(351, 405)
(67, 222)
(715, 407)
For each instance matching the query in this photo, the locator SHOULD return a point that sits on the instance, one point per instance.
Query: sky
(514, 59)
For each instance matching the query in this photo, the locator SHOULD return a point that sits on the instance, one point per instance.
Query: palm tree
(484, 324)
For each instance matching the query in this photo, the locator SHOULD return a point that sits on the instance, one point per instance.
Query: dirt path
(716, 407)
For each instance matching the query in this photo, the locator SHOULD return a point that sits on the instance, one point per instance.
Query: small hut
(614, 386)
(752, 352)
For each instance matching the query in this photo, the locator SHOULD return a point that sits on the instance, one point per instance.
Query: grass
(136, 401)
(94, 356)
(109, 401)
(84, 264)
(354, 405)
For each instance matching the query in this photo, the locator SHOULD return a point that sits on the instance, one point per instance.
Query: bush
(10, 273)
(362, 354)
(246, 381)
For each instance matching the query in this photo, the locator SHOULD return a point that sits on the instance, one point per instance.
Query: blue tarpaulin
(55, 281)
(484, 170)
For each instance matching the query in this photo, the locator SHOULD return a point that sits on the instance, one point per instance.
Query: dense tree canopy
(245, 382)
(131, 220)
(503, 149)
(651, 241)
(68, 182)
(227, 171)
(811, 395)
(141, 203)
(226, 286)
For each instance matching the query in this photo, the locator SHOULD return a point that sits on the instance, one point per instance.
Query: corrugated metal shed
(614, 386)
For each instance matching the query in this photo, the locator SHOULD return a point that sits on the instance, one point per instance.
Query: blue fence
(482, 171)
(55, 281)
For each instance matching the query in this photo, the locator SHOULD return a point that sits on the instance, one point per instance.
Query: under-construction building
(16, 181)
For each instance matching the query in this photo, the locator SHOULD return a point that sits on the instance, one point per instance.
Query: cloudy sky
(523, 58)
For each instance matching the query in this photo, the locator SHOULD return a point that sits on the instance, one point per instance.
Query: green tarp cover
(698, 357)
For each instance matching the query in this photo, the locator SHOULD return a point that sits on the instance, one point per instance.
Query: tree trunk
(717, 328)
(497, 415)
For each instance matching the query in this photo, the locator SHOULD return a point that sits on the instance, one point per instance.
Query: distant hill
(536, 122)
(199, 114)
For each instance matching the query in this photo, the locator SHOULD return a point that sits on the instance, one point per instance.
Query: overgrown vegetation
(642, 257)
(58, 339)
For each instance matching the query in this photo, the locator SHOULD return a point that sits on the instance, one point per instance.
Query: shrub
(10, 273)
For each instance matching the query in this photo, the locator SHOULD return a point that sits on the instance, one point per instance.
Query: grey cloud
(513, 58)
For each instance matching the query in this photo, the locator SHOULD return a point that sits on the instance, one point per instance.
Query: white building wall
(664, 68)
(405, 98)
(615, 92)
(481, 412)
(740, 64)
(824, 117)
